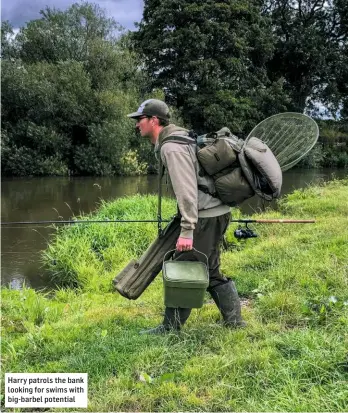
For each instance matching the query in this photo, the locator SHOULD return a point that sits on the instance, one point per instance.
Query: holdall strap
(159, 206)
(194, 249)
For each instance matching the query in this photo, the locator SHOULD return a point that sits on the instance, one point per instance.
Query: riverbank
(291, 357)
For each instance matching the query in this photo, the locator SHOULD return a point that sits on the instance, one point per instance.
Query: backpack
(240, 169)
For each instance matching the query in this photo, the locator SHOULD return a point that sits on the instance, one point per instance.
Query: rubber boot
(174, 319)
(227, 300)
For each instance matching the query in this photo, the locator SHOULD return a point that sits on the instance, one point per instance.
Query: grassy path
(294, 283)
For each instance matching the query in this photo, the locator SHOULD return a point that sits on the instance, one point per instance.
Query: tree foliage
(67, 84)
(210, 58)
(311, 45)
(70, 77)
(232, 62)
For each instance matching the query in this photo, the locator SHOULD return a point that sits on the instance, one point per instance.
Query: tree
(82, 33)
(339, 95)
(310, 50)
(65, 35)
(68, 82)
(209, 57)
(7, 34)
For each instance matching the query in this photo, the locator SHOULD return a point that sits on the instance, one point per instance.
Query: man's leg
(207, 239)
(227, 300)
(174, 319)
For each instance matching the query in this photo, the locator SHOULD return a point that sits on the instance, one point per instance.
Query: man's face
(149, 127)
(145, 126)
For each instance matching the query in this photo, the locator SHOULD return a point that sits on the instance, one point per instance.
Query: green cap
(152, 107)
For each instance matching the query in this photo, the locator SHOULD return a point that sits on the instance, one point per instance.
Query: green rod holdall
(133, 280)
(185, 281)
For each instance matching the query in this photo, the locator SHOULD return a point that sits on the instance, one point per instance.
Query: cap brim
(134, 115)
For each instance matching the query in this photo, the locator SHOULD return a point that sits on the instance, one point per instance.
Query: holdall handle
(193, 249)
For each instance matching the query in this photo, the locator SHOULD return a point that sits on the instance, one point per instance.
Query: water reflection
(39, 199)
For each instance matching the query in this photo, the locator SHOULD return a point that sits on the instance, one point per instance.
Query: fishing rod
(246, 232)
(274, 221)
(77, 221)
(239, 233)
(101, 221)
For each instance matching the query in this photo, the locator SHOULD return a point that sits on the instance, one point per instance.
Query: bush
(335, 157)
(331, 149)
(131, 166)
(314, 159)
(25, 162)
(64, 108)
(322, 156)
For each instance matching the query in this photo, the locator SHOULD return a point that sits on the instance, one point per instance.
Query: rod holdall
(133, 280)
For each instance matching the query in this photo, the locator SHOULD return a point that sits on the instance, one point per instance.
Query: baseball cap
(152, 107)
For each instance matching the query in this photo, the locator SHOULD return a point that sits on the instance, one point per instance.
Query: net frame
(279, 131)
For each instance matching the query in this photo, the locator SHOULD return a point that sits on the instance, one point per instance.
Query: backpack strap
(188, 140)
(204, 189)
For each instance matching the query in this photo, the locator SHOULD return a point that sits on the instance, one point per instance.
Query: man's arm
(182, 173)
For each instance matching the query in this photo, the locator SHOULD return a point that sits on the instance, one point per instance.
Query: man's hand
(184, 244)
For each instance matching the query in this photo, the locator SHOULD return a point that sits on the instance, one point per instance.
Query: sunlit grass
(89, 255)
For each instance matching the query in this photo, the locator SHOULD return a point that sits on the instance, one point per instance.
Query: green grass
(293, 281)
(88, 256)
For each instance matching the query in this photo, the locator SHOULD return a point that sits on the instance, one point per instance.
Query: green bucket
(185, 282)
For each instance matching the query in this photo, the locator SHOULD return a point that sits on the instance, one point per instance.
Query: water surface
(36, 199)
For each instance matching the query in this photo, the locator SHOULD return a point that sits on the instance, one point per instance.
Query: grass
(292, 278)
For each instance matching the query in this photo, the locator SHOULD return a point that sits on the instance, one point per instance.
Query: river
(52, 198)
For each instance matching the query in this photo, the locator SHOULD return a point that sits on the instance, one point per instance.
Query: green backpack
(239, 169)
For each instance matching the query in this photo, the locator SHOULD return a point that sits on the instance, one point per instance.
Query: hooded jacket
(183, 168)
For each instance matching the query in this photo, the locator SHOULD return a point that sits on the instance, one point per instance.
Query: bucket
(185, 282)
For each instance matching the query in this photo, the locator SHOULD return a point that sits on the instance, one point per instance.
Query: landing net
(289, 135)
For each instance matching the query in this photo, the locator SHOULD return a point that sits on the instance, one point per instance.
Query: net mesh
(290, 136)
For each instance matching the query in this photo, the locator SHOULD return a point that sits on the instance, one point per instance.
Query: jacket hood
(167, 131)
(171, 130)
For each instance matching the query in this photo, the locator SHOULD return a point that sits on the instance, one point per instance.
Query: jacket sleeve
(182, 173)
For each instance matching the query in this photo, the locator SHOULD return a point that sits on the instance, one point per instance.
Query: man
(204, 218)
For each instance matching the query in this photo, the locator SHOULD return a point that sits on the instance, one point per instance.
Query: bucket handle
(194, 249)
